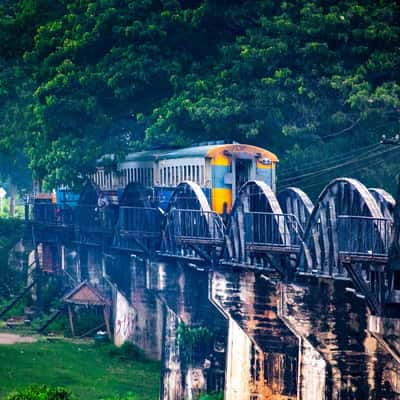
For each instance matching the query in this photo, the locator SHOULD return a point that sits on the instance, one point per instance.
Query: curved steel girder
(135, 195)
(257, 196)
(254, 197)
(294, 201)
(190, 197)
(342, 196)
(385, 200)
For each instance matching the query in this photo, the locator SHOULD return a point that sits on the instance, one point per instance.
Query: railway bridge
(280, 299)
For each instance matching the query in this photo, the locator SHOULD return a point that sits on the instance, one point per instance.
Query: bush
(128, 352)
(43, 392)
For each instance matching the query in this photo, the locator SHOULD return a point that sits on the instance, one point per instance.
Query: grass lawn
(87, 369)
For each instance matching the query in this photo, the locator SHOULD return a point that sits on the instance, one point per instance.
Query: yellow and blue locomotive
(219, 169)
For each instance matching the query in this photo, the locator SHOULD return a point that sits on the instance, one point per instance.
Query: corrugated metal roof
(148, 155)
(195, 151)
(192, 152)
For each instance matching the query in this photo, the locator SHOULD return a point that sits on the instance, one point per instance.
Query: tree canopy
(309, 80)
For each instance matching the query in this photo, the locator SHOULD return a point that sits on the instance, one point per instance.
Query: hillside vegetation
(314, 81)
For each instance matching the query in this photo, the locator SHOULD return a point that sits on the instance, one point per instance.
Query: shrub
(128, 352)
(36, 392)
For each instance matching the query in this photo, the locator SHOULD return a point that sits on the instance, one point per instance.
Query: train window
(184, 173)
(181, 173)
(176, 176)
(131, 177)
(168, 175)
(141, 175)
(172, 176)
(198, 174)
(151, 177)
(146, 177)
(148, 183)
(202, 175)
(189, 175)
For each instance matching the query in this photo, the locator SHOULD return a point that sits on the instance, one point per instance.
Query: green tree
(304, 78)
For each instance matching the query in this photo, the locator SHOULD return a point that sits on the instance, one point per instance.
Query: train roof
(147, 155)
(205, 151)
(212, 151)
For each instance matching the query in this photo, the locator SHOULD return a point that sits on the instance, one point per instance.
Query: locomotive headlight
(265, 161)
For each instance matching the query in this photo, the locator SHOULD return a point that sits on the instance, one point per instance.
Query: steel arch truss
(259, 233)
(385, 201)
(347, 236)
(139, 222)
(294, 201)
(191, 230)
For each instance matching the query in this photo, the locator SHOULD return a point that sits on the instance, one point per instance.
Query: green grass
(88, 370)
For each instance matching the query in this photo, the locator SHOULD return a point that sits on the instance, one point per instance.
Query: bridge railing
(138, 221)
(90, 218)
(197, 226)
(272, 230)
(51, 214)
(364, 236)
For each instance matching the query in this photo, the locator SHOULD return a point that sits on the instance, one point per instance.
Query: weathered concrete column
(333, 318)
(267, 349)
(242, 360)
(195, 332)
(138, 314)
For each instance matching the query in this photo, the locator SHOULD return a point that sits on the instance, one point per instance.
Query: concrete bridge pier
(263, 354)
(138, 313)
(91, 266)
(195, 332)
(333, 318)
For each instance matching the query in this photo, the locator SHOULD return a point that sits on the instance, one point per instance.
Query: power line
(338, 158)
(347, 163)
(360, 168)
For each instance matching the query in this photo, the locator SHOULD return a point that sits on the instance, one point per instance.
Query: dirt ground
(12, 338)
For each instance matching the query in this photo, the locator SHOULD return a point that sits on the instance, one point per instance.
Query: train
(219, 168)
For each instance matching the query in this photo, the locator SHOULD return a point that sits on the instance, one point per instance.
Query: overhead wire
(356, 169)
(337, 158)
(337, 166)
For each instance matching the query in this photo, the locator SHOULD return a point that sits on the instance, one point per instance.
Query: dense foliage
(36, 392)
(308, 79)
(11, 231)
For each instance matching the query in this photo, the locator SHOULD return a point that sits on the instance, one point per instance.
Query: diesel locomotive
(219, 169)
